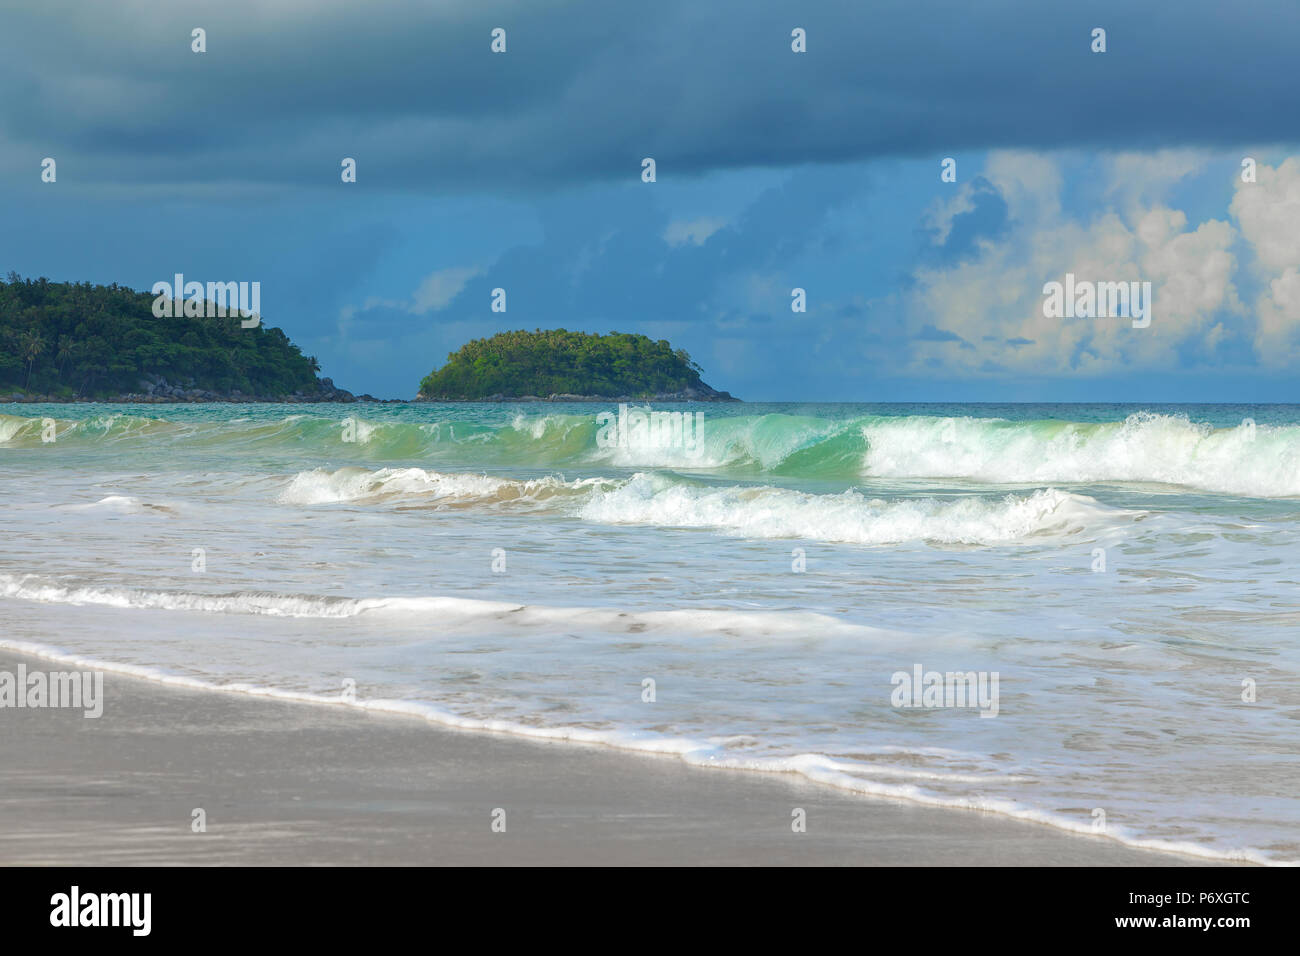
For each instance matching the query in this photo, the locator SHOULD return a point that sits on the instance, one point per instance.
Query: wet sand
(295, 784)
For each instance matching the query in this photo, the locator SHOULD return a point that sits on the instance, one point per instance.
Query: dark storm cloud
(606, 260)
(589, 87)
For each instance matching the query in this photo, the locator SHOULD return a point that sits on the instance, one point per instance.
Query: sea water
(1125, 575)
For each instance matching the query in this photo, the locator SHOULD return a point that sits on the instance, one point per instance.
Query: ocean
(767, 587)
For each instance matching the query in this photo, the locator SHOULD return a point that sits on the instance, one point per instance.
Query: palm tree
(30, 345)
(66, 346)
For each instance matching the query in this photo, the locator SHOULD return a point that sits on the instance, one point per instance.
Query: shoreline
(371, 400)
(286, 784)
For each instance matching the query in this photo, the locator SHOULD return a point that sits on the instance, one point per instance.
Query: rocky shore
(702, 393)
(156, 390)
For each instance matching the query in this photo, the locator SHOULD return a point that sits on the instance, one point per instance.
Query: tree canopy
(558, 362)
(75, 339)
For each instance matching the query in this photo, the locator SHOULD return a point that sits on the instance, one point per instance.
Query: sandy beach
(292, 784)
(761, 435)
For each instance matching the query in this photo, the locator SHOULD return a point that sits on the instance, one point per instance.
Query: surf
(1144, 448)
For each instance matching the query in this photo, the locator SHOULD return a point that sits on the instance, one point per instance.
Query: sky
(775, 170)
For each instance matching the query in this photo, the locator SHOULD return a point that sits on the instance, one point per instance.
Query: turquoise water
(771, 568)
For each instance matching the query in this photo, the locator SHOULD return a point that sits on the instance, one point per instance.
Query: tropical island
(79, 342)
(558, 365)
(74, 341)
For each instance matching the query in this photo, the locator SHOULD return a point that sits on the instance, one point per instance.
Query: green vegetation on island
(567, 365)
(67, 341)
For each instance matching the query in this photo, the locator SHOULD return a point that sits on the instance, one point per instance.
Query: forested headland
(76, 341)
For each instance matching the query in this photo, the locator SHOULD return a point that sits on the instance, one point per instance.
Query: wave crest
(1145, 448)
(850, 517)
(1255, 460)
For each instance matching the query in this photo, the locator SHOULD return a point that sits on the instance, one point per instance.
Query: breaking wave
(667, 500)
(1145, 448)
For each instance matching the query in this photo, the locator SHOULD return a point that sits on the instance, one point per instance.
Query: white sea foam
(762, 512)
(849, 517)
(119, 504)
(321, 486)
(448, 611)
(1257, 460)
